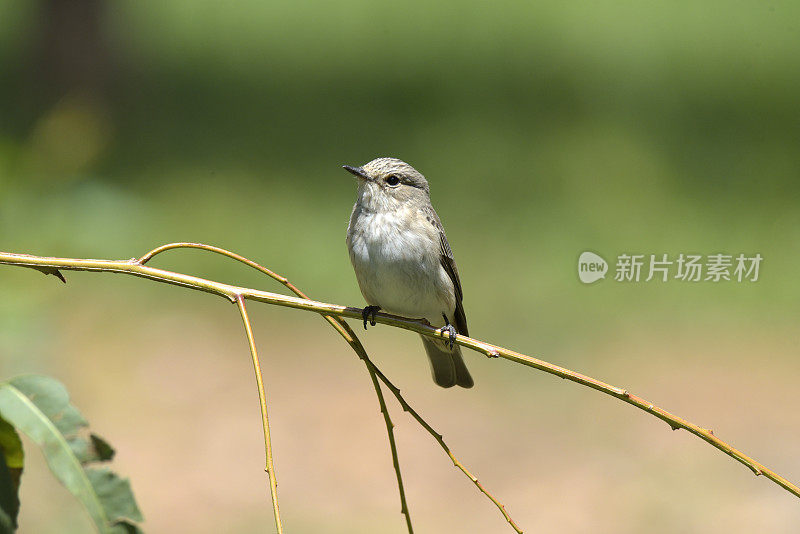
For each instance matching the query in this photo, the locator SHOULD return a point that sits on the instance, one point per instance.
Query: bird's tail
(447, 366)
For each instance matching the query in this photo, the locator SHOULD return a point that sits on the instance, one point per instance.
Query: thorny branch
(344, 330)
(347, 333)
(136, 268)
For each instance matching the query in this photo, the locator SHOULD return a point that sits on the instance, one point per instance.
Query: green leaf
(11, 445)
(39, 406)
(11, 462)
(6, 524)
(9, 501)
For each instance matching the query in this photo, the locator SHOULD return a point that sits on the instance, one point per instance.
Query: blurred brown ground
(177, 397)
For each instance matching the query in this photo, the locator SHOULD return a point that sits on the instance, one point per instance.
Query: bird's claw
(368, 314)
(451, 334)
(451, 330)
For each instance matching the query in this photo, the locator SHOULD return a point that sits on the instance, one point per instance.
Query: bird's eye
(392, 180)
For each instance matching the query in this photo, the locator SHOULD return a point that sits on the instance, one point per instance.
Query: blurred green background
(545, 129)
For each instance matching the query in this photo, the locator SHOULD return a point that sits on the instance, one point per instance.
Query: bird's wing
(449, 265)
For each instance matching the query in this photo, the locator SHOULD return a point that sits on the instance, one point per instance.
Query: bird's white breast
(396, 257)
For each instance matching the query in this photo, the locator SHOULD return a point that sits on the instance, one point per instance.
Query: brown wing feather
(449, 265)
(460, 318)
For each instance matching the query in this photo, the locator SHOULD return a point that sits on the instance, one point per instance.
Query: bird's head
(389, 183)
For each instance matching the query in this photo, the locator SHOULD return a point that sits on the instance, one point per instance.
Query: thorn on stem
(756, 471)
(51, 270)
(493, 354)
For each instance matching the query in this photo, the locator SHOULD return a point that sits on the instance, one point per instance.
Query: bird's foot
(451, 331)
(368, 314)
(451, 334)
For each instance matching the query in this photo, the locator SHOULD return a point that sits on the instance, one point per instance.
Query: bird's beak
(357, 171)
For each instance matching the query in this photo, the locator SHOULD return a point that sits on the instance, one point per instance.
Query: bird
(403, 262)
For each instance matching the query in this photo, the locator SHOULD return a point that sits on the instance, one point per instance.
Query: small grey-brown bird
(403, 261)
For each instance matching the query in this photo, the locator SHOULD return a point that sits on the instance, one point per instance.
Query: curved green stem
(270, 468)
(132, 267)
